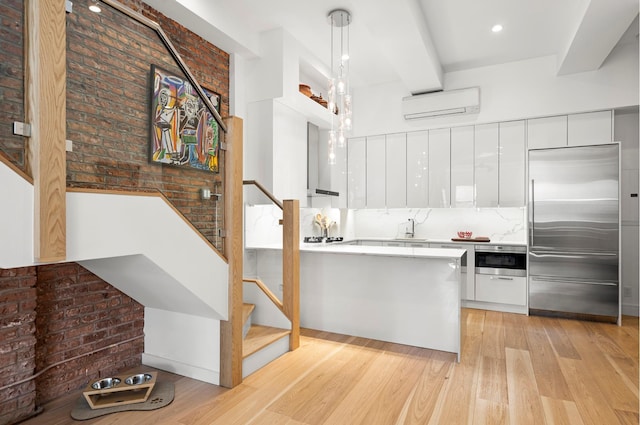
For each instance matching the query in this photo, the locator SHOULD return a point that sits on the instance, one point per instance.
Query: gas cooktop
(320, 239)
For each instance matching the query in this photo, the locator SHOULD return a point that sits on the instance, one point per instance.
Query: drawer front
(501, 289)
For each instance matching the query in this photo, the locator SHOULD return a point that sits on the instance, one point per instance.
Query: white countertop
(387, 251)
(430, 240)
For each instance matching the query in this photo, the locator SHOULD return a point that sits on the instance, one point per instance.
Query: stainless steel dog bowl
(105, 383)
(140, 378)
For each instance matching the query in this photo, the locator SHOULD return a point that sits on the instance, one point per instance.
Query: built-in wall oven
(501, 260)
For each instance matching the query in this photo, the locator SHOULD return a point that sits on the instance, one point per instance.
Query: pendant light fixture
(339, 101)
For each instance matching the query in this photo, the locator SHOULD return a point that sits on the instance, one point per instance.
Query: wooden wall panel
(45, 104)
(231, 329)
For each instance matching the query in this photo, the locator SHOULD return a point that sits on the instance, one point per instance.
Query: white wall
(516, 90)
(181, 343)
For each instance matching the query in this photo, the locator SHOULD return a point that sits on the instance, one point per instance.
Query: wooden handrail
(265, 191)
(260, 284)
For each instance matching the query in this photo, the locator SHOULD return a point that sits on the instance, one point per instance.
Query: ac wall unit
(442, 103)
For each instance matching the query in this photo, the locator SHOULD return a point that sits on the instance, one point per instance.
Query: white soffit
(403, 40)
(598, 31)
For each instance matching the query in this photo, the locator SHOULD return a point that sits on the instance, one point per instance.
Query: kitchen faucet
(410, 233)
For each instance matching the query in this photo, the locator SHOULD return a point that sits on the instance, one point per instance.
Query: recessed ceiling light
(496, 28)
(95, 7)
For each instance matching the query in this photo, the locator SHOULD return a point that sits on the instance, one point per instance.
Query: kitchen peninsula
(404, 295)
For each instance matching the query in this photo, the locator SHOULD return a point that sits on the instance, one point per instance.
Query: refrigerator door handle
(532, 198)
(569, 280)
(572, 254)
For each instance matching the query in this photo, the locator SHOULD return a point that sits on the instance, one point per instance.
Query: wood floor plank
(364, 392)
(421, 403)
(592, 404)
(315, 397)
(628, 418)
(272, 418)
(456, 403)
(473, 321)
(490, 413)
(514, 331)
(492, 380)
(559, 339)
(388, 403)
(561, 412)
(597, 365)
(548, 375)
(493, 335)
(525, 406)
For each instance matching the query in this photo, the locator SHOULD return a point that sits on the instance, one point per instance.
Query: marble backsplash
(499, 224)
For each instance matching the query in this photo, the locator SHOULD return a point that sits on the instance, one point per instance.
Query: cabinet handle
(501, 278)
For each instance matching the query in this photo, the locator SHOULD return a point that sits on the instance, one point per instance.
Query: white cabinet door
(468, 278)
(462, 167)
(356, 171)
(486, 165)
(592, 128)
(501, 289)
(418, 169)
(512, 162)
(396, 186)
(439, 168)
(549, 132)
(376, 178)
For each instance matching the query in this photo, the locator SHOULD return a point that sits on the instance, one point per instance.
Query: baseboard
(630, 310)
(505, 308)
(169, 365)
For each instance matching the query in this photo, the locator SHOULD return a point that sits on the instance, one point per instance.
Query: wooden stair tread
(259, 337)
(247, 309)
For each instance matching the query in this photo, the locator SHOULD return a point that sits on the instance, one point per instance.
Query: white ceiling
(416, 41)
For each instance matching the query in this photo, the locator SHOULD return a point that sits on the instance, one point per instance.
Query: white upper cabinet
(462, 160)
(417, 169)
(511, 189)
(592, 128)
(486, 165)
(357, 177)
(439, 168)
(549, 132)
(376, 172)
(396, 186)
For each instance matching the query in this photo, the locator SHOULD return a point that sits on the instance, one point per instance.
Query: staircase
(261, 344)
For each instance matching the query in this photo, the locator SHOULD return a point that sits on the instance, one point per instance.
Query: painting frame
(183, 131)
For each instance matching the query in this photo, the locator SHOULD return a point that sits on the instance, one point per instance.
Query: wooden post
(291, 268)
(46, 108)
(231, 329)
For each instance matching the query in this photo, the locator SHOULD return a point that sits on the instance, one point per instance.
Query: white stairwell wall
(141, 246)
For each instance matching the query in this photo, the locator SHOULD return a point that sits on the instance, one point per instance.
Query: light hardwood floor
(514, 370)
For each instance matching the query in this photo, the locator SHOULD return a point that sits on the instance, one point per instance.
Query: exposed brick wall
(53, 313)
(11, 79)
(108, 81)
(17, 342)
(78, 313)
(64, 310)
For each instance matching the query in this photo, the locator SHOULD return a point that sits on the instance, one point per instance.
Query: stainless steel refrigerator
(574, 232)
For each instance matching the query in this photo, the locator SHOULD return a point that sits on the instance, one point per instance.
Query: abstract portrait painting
(183, 130)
